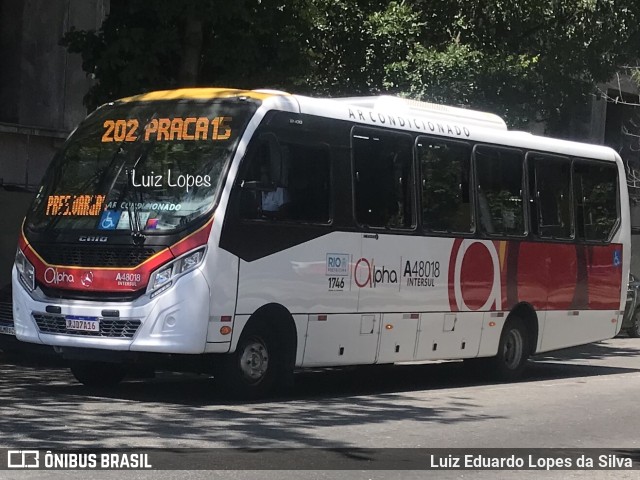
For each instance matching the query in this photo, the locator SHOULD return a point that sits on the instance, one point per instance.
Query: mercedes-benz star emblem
(87, 279)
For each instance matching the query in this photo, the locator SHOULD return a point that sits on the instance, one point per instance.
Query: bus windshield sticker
(147, 206)
(152, 224)
(109, 220)
(125, 224)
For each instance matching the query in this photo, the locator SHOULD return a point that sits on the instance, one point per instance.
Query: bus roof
(201, 94)
(415, 107)
(395, 112)
(440, 120)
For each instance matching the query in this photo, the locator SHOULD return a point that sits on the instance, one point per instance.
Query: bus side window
(500, 190)
(290, 182)
(309, 183)
(596, 199)
(551, 194)
(383, 179)
(260, 178)
(444, 169)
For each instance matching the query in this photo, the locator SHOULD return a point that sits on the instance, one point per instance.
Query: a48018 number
(421, 269)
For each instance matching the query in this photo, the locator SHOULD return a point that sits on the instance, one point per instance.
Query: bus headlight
(190, 261)
(163, 278)
(26, 271)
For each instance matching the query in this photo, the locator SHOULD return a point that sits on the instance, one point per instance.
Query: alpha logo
(367, 274)
(53, 276)
(88, 238)
(86, 279)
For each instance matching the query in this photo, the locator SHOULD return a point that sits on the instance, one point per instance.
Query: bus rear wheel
(513, 350)
(253, 369)
(98, 374)
(634, 330)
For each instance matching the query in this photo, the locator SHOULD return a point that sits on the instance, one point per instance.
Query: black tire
(256, 366)
(513, 351)
(98, 374)
(634, 329)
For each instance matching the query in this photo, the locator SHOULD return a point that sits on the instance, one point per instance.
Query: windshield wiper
(132, 209)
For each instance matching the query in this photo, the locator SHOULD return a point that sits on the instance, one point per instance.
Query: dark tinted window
(551, 211)
(383, 179)
(286, 181)
(444, 169)
(595, 191)
(499, 188)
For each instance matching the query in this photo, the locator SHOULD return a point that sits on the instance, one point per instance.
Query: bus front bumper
(175, 321)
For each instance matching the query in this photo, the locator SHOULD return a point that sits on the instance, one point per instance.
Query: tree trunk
(192, 48)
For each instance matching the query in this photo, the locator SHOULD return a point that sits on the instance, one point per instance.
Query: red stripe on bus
(109, 279)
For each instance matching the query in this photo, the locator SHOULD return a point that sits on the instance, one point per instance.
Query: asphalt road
(578, 398)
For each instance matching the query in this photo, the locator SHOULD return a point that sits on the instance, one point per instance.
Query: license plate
(7, 330)
(83, 324)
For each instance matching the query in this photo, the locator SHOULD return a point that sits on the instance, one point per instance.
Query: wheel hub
(513, 349)
(254, 360)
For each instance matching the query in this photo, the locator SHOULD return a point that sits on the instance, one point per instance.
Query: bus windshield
(152, 166)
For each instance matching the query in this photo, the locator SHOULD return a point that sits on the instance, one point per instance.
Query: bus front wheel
(513, 350)
(252, 370)
(98, 374)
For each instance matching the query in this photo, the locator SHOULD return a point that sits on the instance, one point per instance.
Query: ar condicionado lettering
(168, 129)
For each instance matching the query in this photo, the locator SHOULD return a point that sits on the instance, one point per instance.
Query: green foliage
(141, 45)
(534, 60)
(137, 48)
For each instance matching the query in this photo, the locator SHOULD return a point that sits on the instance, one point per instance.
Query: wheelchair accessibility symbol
(617, 258)
(109, 220)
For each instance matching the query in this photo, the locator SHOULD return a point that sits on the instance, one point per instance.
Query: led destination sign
(168, 129)
(75, 205)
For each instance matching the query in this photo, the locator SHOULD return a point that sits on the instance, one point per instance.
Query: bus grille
(109, 327)
(6, 312)
(6, 318)
(93, 255)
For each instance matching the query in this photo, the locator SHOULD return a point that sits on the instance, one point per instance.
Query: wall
(41, 85)
(13, 205)
(41, 91)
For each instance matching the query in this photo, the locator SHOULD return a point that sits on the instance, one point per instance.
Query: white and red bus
(257, 232)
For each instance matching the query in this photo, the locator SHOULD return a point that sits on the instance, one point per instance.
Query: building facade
(41, 91)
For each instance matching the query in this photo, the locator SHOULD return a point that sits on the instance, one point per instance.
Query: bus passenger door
(384, 210)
